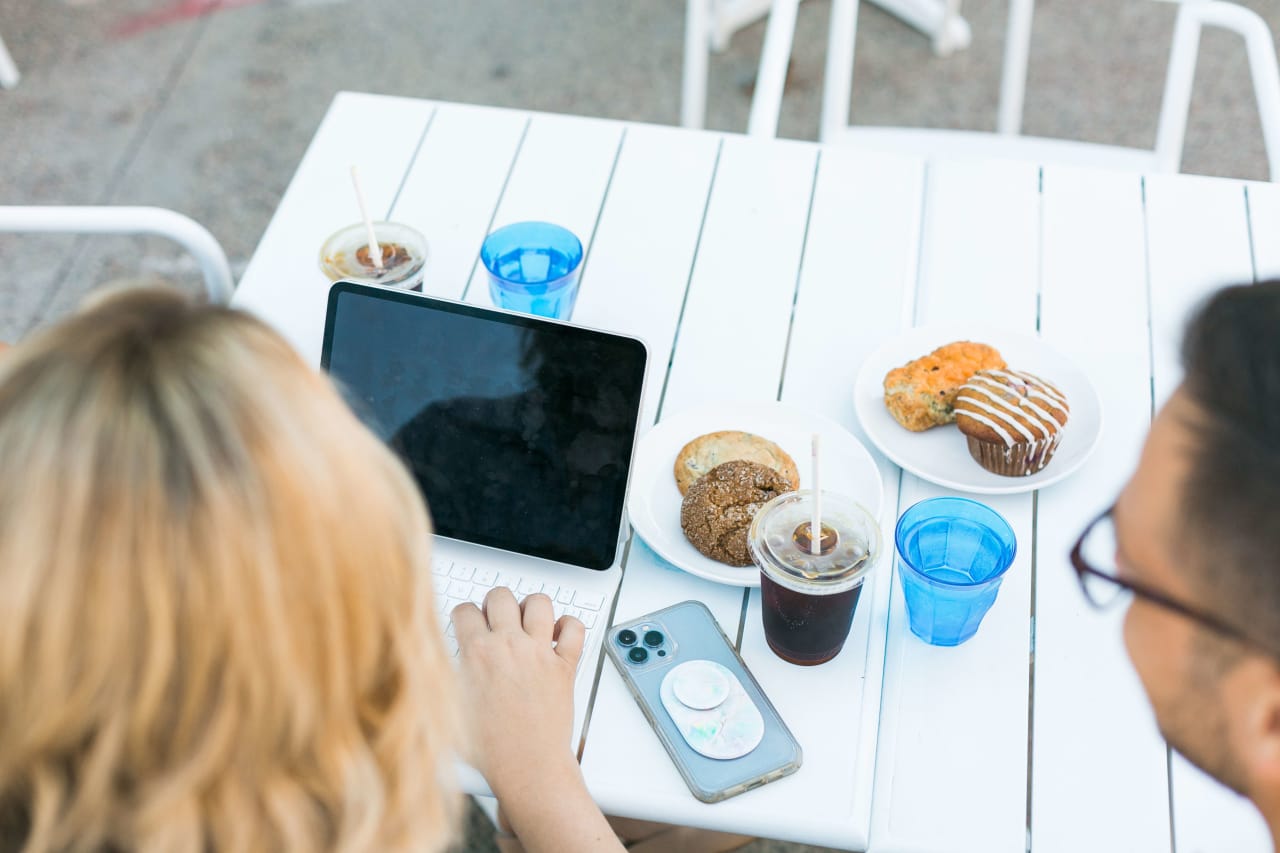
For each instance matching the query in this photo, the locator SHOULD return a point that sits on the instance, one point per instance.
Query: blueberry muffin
(921, 394)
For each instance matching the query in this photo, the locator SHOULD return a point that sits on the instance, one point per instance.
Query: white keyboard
(456, 582)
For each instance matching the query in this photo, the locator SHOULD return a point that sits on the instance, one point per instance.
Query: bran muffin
(1012, 420)
(921, 394)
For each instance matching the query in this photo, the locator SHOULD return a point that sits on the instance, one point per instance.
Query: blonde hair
(215, 626)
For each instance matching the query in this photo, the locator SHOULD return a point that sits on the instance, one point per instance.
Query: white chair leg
(1013, 79)
(837, 80)
(183, 230)
(945, 41)
(929, 17)
(8, 68)
(771, 79)
(693, 90)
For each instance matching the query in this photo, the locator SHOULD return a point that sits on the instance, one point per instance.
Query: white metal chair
(709, 24)
(183, 230)
(8, 69)
(1193, 16)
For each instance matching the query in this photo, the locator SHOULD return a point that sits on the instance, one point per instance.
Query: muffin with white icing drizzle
(1012, 419)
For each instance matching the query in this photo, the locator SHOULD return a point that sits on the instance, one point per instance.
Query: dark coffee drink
(810, 589)
(806, 629)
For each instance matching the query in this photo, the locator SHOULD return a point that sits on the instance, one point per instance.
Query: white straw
(375, 251)
(815, 524)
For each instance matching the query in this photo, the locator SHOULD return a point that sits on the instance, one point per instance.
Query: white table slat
(453, 188)
(283, 283)
(1264, 220)
(624, 279)
(1208, 818)
(959, 778)
(865, 206)
(1198, 239)
(635, 278)
(741, 290)
(732, 340)
(561, 175)
(1096, 751)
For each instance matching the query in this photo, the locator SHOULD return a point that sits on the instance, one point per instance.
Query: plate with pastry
(700, 475)
(978, 409)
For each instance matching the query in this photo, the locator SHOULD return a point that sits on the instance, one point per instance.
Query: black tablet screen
(519, 432)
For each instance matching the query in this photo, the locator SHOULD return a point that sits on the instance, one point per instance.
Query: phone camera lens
(638, 655)
(653, 639)
(627, 637)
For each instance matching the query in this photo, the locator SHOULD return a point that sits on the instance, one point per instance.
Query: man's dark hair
(1231, 501)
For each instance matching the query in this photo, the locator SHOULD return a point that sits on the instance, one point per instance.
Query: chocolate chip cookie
(718, 508)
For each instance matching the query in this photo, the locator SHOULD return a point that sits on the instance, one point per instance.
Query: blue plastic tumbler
(952, 555)
(533, 267)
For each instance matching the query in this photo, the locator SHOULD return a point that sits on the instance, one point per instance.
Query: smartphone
(715, 722)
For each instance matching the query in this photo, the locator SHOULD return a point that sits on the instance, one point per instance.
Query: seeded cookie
(718, 508)
(921, 394)
(715, 448)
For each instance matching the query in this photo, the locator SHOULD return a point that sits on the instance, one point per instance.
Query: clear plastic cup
(534, 268)
(808, 600)
(345, 256)
(952, 555)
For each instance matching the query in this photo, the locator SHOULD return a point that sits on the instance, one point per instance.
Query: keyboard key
(452, 603)
(459, 589)
(509, 582)
(589, 600)
(486, 577)
(527, 587)
(441, 567)
(551, 590)
(477, 595)
(441, 585)
(565, 596)
(462, 573)
(588, 618)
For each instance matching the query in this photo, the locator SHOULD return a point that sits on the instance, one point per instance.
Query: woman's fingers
(570, 634)
(539, 617)
(468, 623)
(502, 610)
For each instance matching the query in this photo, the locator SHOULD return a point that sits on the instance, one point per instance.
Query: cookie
(707, 451)
(921, 394)
(718, 508)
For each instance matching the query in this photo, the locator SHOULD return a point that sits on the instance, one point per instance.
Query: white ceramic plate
(941, 455)
(654, 502)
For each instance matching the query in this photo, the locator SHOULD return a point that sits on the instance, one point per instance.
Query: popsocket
(714, 715)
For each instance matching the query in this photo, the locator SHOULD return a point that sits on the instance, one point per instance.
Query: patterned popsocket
(714, 714)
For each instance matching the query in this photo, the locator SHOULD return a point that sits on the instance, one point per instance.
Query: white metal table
(763, 269)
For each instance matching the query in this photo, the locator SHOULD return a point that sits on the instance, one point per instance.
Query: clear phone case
(690, 633)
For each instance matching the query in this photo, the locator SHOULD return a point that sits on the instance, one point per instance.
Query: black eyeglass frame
(1083, 568)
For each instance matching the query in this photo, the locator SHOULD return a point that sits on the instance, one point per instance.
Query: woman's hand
(518, 686)
(518, 693)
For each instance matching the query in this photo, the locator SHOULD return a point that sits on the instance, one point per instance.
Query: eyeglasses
(1094, 559)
